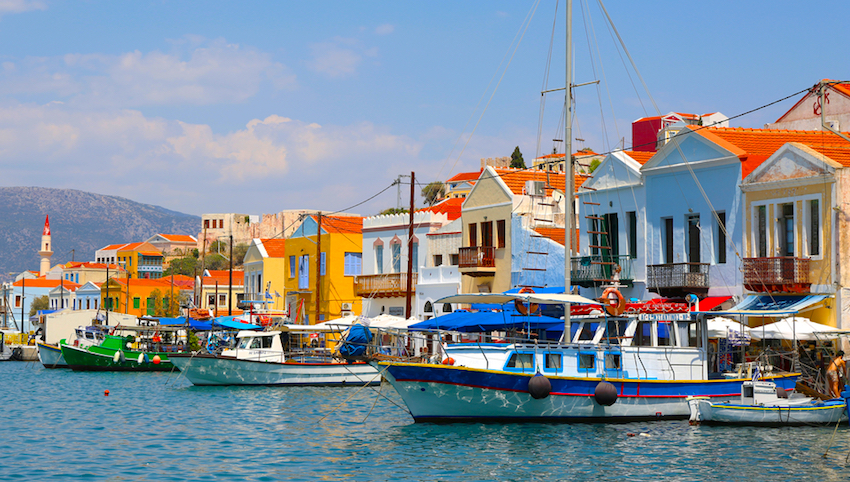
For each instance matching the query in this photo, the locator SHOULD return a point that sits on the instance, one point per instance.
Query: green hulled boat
(113, 354)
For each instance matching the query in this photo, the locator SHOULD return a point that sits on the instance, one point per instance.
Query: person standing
(835, 372)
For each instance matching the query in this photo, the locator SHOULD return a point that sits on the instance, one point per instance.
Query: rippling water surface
(58, 425)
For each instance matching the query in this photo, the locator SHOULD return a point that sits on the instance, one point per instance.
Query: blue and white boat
(612, 369)
(763, 403)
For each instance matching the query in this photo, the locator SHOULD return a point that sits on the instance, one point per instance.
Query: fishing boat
(51, 355)
(6, 350)
(763, 403)
(273, 358)
(148, 350)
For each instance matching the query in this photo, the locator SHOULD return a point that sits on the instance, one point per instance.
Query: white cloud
(198, 72)
(385, 29)
(150, 160)
(338, 57)
(20, 6)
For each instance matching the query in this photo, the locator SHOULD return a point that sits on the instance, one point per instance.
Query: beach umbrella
(796, 328)
(720, 327)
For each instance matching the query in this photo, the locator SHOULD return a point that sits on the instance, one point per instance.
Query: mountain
(79, 221)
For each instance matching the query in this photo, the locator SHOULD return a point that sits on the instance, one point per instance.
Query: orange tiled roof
(555, 234)
(516, 178)
(275, 247)
(754, 146)
(151, 253)
(113, 246)
(130, 246)
(450, 207)
(179, 238)
(87, 264)
(639, 156)
(342, 224)
(45, 283)
(465, 177)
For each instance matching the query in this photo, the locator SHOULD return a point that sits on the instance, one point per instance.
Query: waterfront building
(387, 247)
(332, 272)
(63, 296)
(86, 271)
(140, 260)
(612, 225)
(23, 292)
(806, 113)
(650, 133)
(215, 290)
(87, 296)
(264, 265)
(794, 204)
(141, 297)
(173, 245)
(459, 185)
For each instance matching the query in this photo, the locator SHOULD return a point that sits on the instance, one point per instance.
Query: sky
(257, 107)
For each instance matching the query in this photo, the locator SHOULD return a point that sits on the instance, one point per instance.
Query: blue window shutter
(358, 261)
(324, 264)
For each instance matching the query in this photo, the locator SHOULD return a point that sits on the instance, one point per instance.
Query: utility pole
(318, 264)
(407, 295)
(230, 282)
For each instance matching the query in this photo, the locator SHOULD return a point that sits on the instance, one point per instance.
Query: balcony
(382, 285)
(478, 261)
(676, 280)
(777, 275)
(595, 270)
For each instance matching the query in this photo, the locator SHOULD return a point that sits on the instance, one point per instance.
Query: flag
(277, 294)
(268, 295)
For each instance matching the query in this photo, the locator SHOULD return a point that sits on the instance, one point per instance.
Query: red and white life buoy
(520, 306)
(614, 302)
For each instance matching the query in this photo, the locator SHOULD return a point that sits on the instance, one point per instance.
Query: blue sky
(257, 107)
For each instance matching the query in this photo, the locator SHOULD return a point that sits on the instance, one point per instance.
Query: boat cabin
(264, 346)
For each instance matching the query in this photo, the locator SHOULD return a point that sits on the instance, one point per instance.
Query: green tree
(594, 164)
(216, 261)
(219, 246)
(239, 252)
(392, 211)
(156, 298)
(517, 161)
(433, 192)
(40, 303)
(189, 266)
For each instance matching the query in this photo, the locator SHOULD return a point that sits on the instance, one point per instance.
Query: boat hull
(50, 356)
(206, 370)
(820, 413)
(443, 393)
(81, 359)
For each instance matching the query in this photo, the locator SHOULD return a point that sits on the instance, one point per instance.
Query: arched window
(429, 308)
(447, 308)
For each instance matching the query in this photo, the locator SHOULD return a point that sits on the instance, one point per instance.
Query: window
(447, 307)
(553, 361)
(593, 231)
(643, 334)
(721, 238)
(692, 222)
(613, 361)
(487, 233)
(500, 232)
(455, 259)
(222, 300)
(665, 333)
(352, 264)
(521, 360)
(396, 252)
(429, 308)
(631, 216)
(210, 301)
(292, 266)
(323, 263)
(206, 223)
(786, 229)
(136, 302)
(473, 235)
(303, 272)
(814, 228)
(761, 231)
(414, 251)
(438, 260)
(586, 361)
(668, 240)
(379, 259)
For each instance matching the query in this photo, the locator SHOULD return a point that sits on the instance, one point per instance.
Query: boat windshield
(616, 331)
(256, 342)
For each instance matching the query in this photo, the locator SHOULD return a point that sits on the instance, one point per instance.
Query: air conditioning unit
(346, 307)
(535, 188)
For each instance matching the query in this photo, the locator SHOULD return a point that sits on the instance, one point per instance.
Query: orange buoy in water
(106, 393)
(449, 361)
(156, 359)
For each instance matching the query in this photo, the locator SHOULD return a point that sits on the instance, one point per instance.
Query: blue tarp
(471, 322)
(355, 342)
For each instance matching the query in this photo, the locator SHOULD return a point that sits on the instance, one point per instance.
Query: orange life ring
(520, 306)
(156, 338)
(614, 306)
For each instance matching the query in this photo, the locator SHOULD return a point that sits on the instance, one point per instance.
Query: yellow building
(794, 205)
(264, 266)
(140, 297)
(333, 271)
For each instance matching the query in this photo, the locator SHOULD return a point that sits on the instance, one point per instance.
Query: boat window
(588, 330)
(615, 331)
(689, 330)
(246, 342)
(643, 334)
(266, 341)
(612, 361)
(521, 360)
(553, 361)
(665, 333)
(89, 335)
(586, 361)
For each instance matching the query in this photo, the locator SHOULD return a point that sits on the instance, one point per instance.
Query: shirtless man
(837, 369)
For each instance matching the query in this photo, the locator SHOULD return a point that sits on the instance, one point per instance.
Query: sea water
(59, 425)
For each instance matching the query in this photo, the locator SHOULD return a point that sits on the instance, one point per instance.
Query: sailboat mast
(568, 167)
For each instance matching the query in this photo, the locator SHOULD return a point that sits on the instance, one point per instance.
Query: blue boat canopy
(480, 321)
(226, 322)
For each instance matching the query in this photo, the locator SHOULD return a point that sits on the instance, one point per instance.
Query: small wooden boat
(51, 355)
(141, 352)
(761, 403)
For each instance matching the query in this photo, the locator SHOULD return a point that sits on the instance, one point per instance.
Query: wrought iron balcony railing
(777, 274)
